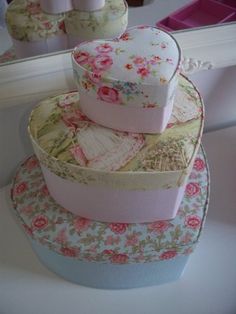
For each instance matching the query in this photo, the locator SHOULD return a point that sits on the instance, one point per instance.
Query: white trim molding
(32, 79)
(191, 65)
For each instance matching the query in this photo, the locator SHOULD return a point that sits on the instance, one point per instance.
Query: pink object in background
(200, 13)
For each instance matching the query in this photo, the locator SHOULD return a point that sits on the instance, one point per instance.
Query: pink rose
(71, 252)
(149, 105)
(62, 27)
(110, 240)
(108, 94)
(28, 230)
(79, 156)
(47, 24)
(102, 62)
(168, 254)
(125, 36)
(104, 48)
(27, 210)
(138, 60)
(187, 238)
(81, 224)
(40, 222)
(155, 60)
(118, 228)
(143, 72)
(169, 60)
(193, 176)
(71, 120)
(33, 8)
(192, 189)
(131, 240)
(21, 188)
(31, 163)
(61, 237)
(80, 116)
(108, 252)
(199, 164)
(94, 77)
(81, 57)
(44, 190)
(170, 125)
(193, 221)
(159, 226)
(119, 258)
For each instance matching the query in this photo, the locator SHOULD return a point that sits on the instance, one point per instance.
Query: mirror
(174, 16)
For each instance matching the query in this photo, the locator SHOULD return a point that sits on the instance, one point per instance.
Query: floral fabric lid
(27, 22)
(104, 23)
(76, 237)
(75, 148)
(143, 54)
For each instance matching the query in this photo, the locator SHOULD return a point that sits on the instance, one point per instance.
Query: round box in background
(110, 255)
(33, 31)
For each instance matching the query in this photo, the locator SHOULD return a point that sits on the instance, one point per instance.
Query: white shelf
(207, 287)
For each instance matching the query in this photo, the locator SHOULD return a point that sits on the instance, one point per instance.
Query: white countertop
(207, 287)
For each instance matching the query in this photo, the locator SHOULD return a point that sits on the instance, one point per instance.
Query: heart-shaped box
(109, 255)
(129, 83)
(109, 175)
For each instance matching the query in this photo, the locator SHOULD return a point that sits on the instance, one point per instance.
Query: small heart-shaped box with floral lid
(129, 83)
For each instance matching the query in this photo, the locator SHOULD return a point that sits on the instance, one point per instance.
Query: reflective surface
(150, 13)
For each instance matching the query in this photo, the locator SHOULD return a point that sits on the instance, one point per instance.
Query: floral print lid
(86, 240)
(75, 148)
(143, 54)
(27, 22)
(104, 23)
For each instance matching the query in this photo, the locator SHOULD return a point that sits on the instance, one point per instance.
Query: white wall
(218, 89)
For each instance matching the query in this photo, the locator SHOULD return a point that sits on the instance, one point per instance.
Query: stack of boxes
(117, 193)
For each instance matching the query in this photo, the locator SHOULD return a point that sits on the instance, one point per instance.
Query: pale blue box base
(111, 276)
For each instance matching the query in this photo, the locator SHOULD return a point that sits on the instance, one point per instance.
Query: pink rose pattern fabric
(122, 66)
(87, 240)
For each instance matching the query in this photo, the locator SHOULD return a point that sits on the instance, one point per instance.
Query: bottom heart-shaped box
(109, 255)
